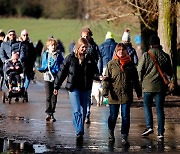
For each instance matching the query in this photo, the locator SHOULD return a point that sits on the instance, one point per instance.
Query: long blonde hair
(78, 44)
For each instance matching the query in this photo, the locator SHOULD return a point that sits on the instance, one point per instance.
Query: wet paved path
(26, 121)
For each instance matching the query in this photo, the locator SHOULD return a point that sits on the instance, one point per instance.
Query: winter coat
(94, 50)
(9, 64)
(148, 73)
(50, 64)
(119, 84)
(79, 76)
(30, 56)
(9, 46)
(132, 53)
(106, 51)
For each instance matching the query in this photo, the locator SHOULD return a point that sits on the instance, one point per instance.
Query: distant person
(106, 51)
(13, 69)
(80, 68)
(137, 40)
(94, 51)
(2, 36)
(39, 48)
(12, 45)
(72, 46)
(51, 61)
(121, 76)
(30, 58)
(61, 47)
(126, 39)
(153, 85)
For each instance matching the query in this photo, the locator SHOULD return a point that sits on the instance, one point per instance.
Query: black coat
(79, 76)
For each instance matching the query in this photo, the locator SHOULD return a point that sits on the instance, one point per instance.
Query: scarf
(123, 61)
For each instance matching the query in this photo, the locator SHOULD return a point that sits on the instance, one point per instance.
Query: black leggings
(16, 76)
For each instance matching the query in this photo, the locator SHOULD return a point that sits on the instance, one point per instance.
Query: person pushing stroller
(13, 69)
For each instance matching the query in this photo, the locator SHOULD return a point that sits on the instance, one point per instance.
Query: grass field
(65, 30)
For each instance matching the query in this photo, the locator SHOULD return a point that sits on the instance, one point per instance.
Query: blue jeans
(27, 77)
(88, 104)
(78, 101)
(159, 103)
(125, 114)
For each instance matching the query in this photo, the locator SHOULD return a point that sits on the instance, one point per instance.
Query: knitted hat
(109, 35)
(154, 40)
(126, 36)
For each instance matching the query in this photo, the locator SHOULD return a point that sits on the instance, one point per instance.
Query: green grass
(65, 30)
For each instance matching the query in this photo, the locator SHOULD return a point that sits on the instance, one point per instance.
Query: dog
(97, 92)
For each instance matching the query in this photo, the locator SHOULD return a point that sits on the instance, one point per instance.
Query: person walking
(121, 77)
(30, 58)
(2, 36)
(12, 45)
(153, 85)
(51, 61)
(80, 69)
(94, 51)
(126, 39)
(106, 51)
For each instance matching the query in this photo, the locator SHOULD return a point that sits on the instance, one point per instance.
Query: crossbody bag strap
(158, 67)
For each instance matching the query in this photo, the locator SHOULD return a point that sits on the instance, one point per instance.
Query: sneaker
(48, 117)
(111, 136)
(147, 132)
(160, 136)
(52, 118)
(125, 142)
(88, 121)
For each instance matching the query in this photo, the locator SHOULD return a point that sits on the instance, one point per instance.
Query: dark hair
(154, 40)
(86, 29)
(2, 34)
(120, 45)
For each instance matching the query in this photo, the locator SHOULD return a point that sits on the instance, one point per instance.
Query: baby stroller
(15, 93)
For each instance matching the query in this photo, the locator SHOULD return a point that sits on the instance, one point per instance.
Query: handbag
(169, 84)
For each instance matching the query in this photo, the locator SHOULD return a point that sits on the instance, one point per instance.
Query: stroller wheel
(4, 97)
(16, 99)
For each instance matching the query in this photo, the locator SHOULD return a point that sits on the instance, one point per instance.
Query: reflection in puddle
(15, 146)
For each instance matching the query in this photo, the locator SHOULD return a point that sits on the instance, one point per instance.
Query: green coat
(148, 73)
(119, 84)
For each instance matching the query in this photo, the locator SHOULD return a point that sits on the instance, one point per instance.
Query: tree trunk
(167, 30)
(145, 35)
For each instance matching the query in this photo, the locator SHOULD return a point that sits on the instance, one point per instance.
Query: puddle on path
(16, 146)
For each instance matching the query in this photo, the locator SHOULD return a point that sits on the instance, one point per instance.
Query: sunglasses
(25, 35)
(11, 34)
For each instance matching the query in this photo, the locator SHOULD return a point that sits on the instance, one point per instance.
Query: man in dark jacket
(30, 57)
(2, 36)
(106, 51)
(12, 45)
(153, 85)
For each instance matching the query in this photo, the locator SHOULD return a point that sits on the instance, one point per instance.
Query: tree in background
(156, 17)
